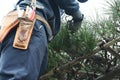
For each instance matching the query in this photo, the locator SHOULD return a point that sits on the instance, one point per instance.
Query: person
(30, 64)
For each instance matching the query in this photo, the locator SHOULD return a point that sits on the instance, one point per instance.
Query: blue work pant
(16, 64)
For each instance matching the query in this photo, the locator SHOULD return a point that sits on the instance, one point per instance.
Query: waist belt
(8, 22)
(11, 20)
(46, 23)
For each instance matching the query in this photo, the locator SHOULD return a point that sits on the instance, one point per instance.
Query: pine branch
(69, 64)
(76, 61)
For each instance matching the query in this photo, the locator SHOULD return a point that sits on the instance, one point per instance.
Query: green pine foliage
(67, 46)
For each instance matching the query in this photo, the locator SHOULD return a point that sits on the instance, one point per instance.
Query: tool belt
(24, 29)
(8, 22)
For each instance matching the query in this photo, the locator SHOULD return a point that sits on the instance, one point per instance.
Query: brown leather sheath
(9, 22)
(23, 34)
(24, 29)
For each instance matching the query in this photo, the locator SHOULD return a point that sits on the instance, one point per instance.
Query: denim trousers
(30, 64)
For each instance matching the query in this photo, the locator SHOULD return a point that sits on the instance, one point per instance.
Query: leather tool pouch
(25, 19)
(23, 34)
(24, 29)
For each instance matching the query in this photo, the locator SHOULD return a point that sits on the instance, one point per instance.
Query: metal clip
(30, 13)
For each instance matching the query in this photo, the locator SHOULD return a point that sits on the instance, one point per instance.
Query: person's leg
(44, 65)
(18, 64)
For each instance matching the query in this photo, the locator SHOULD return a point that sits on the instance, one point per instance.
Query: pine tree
(91, 53)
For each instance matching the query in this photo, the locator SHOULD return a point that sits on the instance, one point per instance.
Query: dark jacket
(51, 11)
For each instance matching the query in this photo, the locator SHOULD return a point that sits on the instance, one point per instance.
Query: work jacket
(51, 11)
